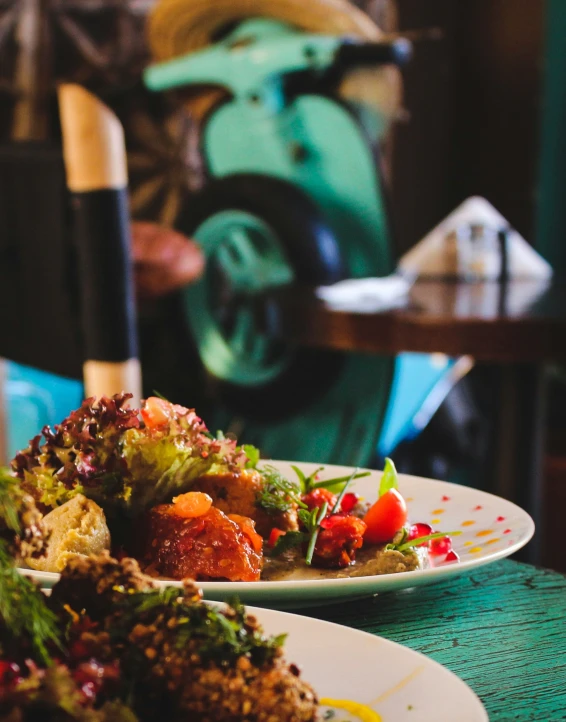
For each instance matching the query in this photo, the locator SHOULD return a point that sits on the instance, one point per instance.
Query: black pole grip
(395, 52)
(102, 236)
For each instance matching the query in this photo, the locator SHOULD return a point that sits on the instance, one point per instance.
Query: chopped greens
(222, 637)
(289, 540)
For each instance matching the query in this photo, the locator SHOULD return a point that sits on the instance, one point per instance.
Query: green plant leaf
(388, 478)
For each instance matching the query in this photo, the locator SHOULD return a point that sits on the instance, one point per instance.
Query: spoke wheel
(244, 259)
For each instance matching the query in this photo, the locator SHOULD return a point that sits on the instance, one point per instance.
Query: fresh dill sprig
(23, 611)
(278, 494)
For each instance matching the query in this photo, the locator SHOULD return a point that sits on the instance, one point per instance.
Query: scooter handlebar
(394, 52)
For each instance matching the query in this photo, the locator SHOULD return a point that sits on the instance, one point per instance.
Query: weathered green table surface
(502, 629)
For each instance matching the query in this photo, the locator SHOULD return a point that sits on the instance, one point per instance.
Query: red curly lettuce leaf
(81, 455)
(106, 452)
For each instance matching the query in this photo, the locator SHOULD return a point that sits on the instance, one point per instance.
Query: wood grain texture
(93, 142)
(475, 319)
(500, 628)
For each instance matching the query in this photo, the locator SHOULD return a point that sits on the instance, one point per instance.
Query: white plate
(492, 528)
(397, 683)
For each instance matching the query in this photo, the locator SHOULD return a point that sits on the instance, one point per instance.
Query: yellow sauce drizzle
(433, 522)
(475, 550)
(468, 523)
(487, 532)
(468, 544)
(439, 511)
(492, 541)
(362, 711)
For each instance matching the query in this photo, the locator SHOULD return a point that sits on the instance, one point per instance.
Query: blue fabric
(36, 398)
(414, 378)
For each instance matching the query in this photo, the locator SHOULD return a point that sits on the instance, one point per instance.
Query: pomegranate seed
(441, 547)
(452, 556)
(349, 501)
(418, 530)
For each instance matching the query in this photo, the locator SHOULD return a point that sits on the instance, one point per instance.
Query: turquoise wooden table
(502, 629)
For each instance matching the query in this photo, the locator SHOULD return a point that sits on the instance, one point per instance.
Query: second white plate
(492, 528)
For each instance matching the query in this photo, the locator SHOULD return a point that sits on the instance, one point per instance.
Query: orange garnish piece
(192, 504)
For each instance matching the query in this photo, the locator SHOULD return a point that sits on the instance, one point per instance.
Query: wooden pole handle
(93, 142)
(95, 161)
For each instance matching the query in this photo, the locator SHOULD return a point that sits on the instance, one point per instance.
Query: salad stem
(314, 535)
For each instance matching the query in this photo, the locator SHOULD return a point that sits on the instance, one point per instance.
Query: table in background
(500, 628)
(520, 325)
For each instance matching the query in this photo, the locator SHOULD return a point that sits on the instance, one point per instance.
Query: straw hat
(177, 27)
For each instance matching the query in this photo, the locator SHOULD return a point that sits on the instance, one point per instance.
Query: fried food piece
(97, 583)
(210, 546)
(208, 680)
(78, 527)
(21, 523)
(237, 493)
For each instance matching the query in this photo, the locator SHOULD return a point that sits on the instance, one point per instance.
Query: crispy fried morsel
(19, 511)
(248, 693)
(210, 546)
(95, 583)
(236, 493)
(270, 692)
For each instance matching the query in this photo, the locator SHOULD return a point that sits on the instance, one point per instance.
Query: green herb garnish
(336, 508)
(308, 483)
(312, 520)
(406, 545)
(289, 540)
(160, 396)
(330, 483)
(23, 612)
(278, 493)
(388, 478)
(222, 637)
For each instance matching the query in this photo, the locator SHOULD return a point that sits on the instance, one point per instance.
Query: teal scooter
(294, 194)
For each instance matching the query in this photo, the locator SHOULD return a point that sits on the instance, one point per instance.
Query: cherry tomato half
(385, 517)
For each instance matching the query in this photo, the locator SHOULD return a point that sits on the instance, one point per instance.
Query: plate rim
(376, 639)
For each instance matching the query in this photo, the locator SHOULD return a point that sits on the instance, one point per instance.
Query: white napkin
(366, 295)
(435, 255)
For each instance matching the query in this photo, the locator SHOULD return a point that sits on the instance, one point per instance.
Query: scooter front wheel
(258, 234)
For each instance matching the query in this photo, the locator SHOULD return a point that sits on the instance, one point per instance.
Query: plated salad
(156, 485)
